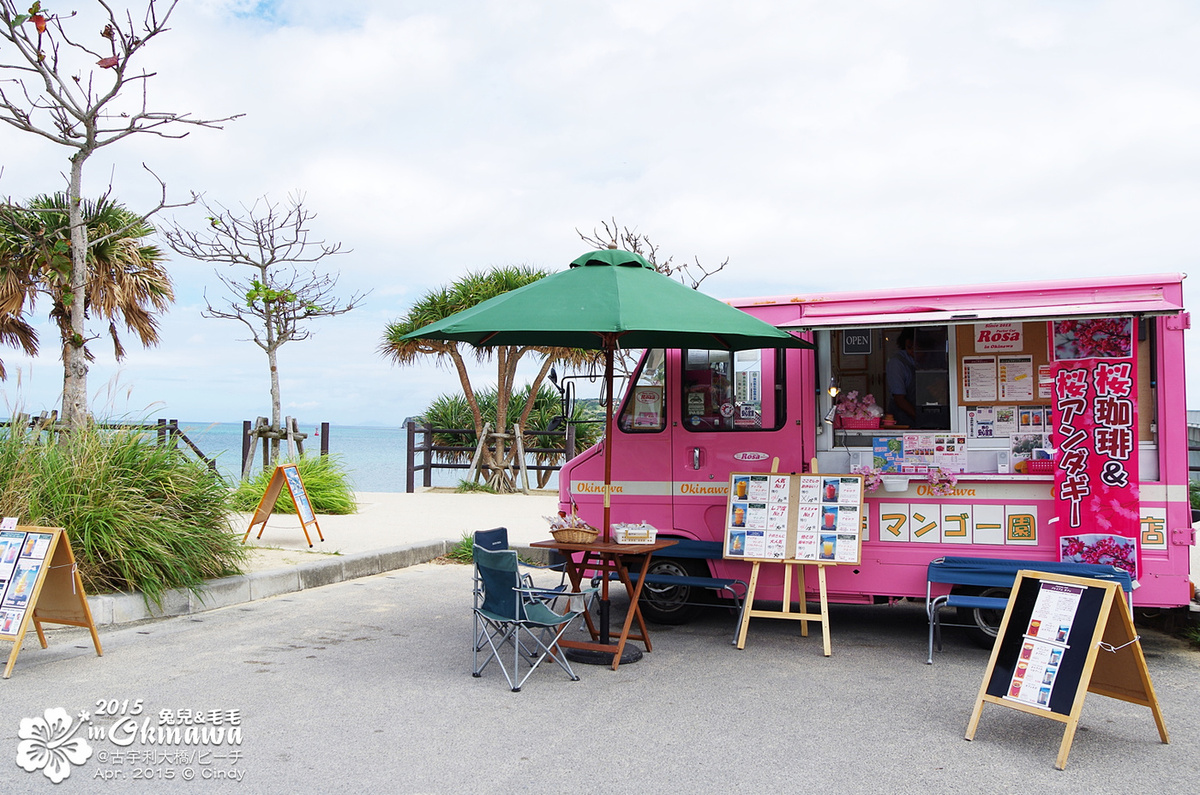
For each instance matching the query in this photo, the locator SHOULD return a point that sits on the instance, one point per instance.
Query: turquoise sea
(374, 457)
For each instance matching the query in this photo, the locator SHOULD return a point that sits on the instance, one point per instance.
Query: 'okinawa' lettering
(695, 488)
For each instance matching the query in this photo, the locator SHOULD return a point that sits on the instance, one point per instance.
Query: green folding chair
(515, 621)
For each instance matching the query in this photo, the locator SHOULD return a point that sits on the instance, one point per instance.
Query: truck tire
(669, 604)
(983, 624)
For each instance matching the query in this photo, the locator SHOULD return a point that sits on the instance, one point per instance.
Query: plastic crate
(858, 423)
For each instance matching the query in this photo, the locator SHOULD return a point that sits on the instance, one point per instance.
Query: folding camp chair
(514, 615)
(497, 539)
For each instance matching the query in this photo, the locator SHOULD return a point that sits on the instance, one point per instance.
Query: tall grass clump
(140, 515)
(325, 480)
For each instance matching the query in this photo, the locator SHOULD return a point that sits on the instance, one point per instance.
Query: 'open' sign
(856, 343)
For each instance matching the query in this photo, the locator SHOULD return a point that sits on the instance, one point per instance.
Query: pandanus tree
(464, 293)
(450, 411)
(125, 282)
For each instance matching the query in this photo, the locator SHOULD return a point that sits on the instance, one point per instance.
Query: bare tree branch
(615, 236)
(69, 90)
(277, 299)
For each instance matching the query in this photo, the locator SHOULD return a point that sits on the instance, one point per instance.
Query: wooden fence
(428, 451)
(166, 431)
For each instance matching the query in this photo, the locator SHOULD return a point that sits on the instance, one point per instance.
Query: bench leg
(935, 626)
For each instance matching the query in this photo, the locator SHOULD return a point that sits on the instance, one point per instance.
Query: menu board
(784, 517)
(1045, 642)
(299, 493)
(289, 475)
(22, 562)
(1062, 637)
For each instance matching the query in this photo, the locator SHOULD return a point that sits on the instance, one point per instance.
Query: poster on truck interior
(1095, 433)
(788, 518)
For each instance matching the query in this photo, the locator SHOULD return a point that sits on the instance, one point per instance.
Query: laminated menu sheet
(787, 517)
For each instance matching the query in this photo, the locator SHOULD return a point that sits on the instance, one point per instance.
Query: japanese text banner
(1095, 433)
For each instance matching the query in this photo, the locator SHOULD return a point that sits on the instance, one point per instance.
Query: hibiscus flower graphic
(48, 744)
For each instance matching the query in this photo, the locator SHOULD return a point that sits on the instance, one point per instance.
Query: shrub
(140, 516)
(471, 487)
(464, 550)
(325, 480)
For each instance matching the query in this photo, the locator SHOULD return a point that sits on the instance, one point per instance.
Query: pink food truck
(1041, 420)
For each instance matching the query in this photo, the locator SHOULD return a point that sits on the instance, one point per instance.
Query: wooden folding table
(605, 558)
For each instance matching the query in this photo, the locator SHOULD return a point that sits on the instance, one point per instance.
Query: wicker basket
(575, 535)
(859, 423)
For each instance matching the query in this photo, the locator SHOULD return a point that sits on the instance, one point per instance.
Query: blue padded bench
(696, 550)
(996, 573)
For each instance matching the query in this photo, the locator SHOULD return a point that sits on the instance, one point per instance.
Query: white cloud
(903, 143)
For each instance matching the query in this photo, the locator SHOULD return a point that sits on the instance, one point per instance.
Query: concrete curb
(124, 608)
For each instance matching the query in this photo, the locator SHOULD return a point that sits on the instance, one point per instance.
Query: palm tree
(125, 280)
(15, 286)
(464, 293)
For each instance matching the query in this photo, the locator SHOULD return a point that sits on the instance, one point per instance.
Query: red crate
(858, 423)
(1041, 466)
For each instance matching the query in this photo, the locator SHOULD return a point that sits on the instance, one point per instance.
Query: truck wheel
(983, 624)
(668, 604)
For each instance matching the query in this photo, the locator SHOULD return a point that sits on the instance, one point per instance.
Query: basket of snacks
(575, 535)
(571, 529)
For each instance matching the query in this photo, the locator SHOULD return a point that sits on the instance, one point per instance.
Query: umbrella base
(630, 654)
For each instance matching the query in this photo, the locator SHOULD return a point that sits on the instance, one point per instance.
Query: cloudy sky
(817, 145)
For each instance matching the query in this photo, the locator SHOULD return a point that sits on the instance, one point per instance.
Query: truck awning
(818, 316)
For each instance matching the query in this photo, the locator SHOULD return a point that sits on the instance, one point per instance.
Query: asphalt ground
(365, 685)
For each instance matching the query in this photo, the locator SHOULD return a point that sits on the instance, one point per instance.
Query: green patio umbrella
(606, 300)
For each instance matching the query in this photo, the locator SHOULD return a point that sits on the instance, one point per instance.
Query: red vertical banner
(1094, 367)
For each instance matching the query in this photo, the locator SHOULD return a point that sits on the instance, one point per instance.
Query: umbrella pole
(631, 653)
(608, 438)
(607, 526)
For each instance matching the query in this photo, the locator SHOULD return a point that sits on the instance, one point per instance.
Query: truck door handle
(695, 458)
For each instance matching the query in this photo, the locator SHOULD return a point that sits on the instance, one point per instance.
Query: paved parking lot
(365, 685)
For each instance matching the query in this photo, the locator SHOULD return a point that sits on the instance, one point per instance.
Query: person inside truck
(902, 380)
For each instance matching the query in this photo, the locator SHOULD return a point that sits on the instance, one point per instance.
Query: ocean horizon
(374, 456)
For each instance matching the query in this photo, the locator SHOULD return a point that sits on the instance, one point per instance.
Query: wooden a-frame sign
(1061, 638)
(41, 584)
(289, 475)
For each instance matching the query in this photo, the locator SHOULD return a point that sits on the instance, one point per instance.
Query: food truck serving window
(904, 371)
(732, 390)
(991, 384)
